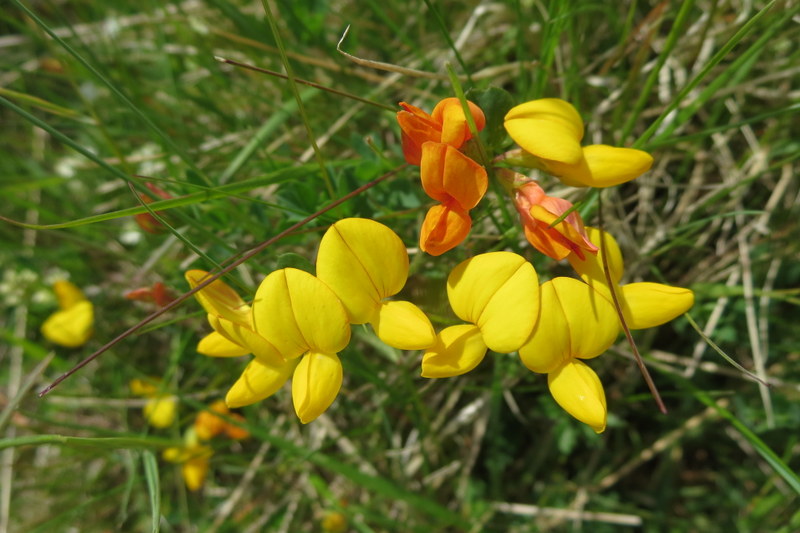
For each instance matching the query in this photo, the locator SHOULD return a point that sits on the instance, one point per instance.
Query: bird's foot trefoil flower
(446, 125)
(497, 293)
(70, 326)
(551, 130)
(538, 212)
(575, 322)
(160, 409)
(194, 458)
(365, 263)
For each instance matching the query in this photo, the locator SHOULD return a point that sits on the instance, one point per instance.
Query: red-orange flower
(147, 221)
(537, 211)
(158, 293)
(445, 226)
(458, 183)
(447, 124)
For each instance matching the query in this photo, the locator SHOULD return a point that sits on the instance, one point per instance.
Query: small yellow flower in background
(207, 423)
(194, 458)
(334, 522)
(575, 322)
(498, 294)
(365, 263)
(71, 326)
(550, 130)
(160, 409)
(644, 304)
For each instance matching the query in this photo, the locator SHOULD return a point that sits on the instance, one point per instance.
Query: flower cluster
(297, 324)
(448, 176)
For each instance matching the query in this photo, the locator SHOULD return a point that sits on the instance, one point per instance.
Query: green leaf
(495, 103)
(153, 488)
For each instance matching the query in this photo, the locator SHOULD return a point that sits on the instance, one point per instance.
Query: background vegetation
(709, 87)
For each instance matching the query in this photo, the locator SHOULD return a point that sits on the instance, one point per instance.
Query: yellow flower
(365, 263)
(644, 304)
(160, 409)
(232, 319)
(71, 326)
(576, 322)
(194, 459)
(550, 130)
(296, 327)
(498, 294)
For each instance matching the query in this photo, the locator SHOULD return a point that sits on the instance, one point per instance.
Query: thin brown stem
(214, 277)
(613, 289)
(305, 82)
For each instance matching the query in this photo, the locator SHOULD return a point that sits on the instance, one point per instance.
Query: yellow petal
(315, 384)
(457, 350)
(590, 268)
(219, 298)
(215, 345)
(363, 262)
(404, 326)
(70, 327)
(140, 387)
(248, 339)
(194, 472)
(68, 294)
(646, 305)
(578, 390)
(610, 165)
(548, 128)
(575, 321)
(160, 412)
(258, 381)
(298, 313)
(498, 292)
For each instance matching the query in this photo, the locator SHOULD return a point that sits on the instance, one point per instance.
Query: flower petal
(575, 321)
(67, 293)
(258, 381)
(457, 350)
(216, 345)
(296, 312)
(548, 128)
(447, 175)
(450, 115)
(610, 165)
(71, 327)
(194, 472)
(578, 390)
(260, 347)
(646, 305)
(498, 292)
(603, 166)
(444, 228)
(404, 326)
(219, 298)
(160, 411)
(315, 384)
(363, 262)
(417, 128)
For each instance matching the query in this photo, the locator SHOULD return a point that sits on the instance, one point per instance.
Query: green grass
(100, 97)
